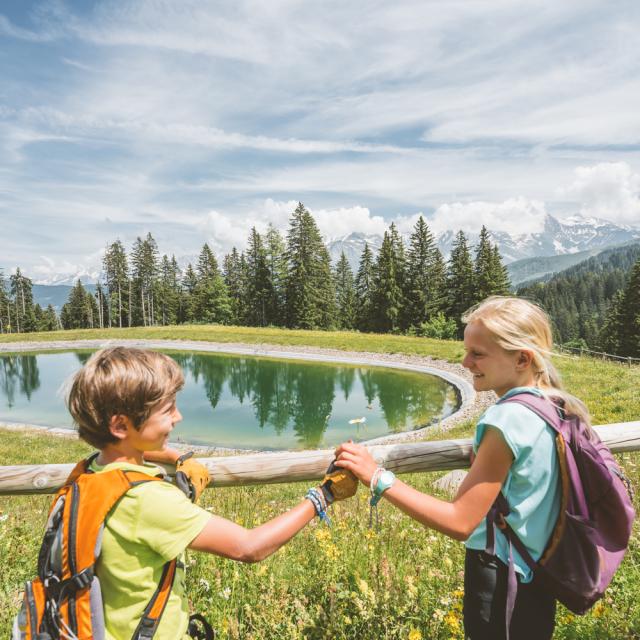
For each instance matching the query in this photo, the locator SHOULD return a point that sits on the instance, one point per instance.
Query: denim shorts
(485, 596)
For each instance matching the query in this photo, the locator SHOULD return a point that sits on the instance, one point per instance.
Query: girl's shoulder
(518, 425)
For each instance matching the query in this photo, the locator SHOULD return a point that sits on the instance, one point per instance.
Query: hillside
(578, 297)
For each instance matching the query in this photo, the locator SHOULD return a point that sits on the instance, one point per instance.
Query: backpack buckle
(83, 579)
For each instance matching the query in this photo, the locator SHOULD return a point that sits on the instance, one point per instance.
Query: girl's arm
(230, 540)
(456, 519)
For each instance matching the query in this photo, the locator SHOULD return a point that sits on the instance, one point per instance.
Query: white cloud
(515, 216)
(609, 190)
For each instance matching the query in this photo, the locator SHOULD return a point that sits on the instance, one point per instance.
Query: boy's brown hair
(120, 381)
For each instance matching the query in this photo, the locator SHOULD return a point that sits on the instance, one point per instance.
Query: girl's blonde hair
(519, 325)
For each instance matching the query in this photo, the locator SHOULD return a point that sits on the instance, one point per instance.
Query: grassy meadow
(347, 581)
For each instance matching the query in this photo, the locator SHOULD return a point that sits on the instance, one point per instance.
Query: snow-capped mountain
(86, 276)
(558, 237)
(353, 246)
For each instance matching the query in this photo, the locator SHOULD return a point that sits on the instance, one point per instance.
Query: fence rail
(581, 351)
(272, 468)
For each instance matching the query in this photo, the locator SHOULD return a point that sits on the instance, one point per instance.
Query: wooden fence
(271, 468)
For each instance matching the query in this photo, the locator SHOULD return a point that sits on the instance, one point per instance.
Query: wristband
(381, 480)
(319, 504)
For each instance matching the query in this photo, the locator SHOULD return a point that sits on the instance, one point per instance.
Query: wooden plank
(298, 466)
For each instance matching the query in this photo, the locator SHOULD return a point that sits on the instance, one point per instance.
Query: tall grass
(347, 582)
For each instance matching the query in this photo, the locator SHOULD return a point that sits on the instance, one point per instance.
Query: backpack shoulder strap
(150, 620)
(541, 406)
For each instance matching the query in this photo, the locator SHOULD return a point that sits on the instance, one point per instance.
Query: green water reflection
(247, 402)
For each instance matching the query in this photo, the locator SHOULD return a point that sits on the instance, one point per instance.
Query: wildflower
(414, 634)
(226, 593)
(598, 610)
(204, 584)
(447, 562)
(452, 621)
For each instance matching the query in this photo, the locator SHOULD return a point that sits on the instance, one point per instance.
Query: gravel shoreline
(472, 403)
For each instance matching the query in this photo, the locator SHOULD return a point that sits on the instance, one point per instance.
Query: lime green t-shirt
(152, 523)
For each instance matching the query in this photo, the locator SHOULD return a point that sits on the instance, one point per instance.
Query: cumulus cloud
(515, 216)
(609, 190)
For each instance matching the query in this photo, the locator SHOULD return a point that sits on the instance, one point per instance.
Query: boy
(124, 403)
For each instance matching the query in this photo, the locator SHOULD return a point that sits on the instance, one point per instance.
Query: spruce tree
(277, 265)
(483, 267)
(116, 273)
(387, 297)
(629, 328)
(188, 297)
(169, 290)
(212, 303)
(310, 292)
(424, 280)
(500, 281)
(345, 294)
(235, 281)
(364, 290)
(460, 280)
(80, 311)
(24, 318)
(259, 286)
(5, 311)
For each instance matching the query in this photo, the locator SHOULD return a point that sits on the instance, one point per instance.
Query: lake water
(251, 403)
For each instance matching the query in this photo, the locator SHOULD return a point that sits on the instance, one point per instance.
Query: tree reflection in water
(18, 373)
(284, 395)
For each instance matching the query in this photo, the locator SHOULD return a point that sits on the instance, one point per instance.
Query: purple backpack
(593, 528)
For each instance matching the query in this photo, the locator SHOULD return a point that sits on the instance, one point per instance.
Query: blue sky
(197, 119)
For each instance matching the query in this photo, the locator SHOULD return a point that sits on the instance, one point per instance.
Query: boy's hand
(191, 476)
(165, 456)
(338, 484)
(357, 459)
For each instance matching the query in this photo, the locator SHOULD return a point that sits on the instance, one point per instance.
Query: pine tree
(387, 297)
(310, 292)
(483, 267)
(169, 290)
(424, 281)
(116, 272)
(102, 306)
(500, 281)
(277, 265)
(212, 303)
(80, 311)
(364, 290)
(345, 294)
(259, 286)
(234, 279)
(612, 327)
(5, 309)
(188, 298)
(50, 321)
(22, 302)
(629, 330)
(460, 280)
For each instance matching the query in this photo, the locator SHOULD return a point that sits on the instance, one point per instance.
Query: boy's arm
(230, 540)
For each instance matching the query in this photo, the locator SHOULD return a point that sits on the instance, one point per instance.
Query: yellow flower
(414, 634)
(452, 621)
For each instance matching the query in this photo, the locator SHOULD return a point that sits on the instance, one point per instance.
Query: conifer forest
(405, 288)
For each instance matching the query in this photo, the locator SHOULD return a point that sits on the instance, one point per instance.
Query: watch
(386, 480)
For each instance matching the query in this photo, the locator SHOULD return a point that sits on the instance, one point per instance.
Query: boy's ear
(119, 426)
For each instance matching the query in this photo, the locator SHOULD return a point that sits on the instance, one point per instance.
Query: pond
(251, 402)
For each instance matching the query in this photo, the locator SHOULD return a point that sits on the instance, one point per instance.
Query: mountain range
(560, 244)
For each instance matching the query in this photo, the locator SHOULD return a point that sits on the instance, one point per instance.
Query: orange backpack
(65, 601)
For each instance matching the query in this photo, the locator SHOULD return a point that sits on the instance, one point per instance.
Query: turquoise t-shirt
(531, 487)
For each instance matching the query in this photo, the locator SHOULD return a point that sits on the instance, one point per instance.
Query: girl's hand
(357, 459)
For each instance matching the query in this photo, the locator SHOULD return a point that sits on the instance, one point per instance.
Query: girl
(508, 345)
